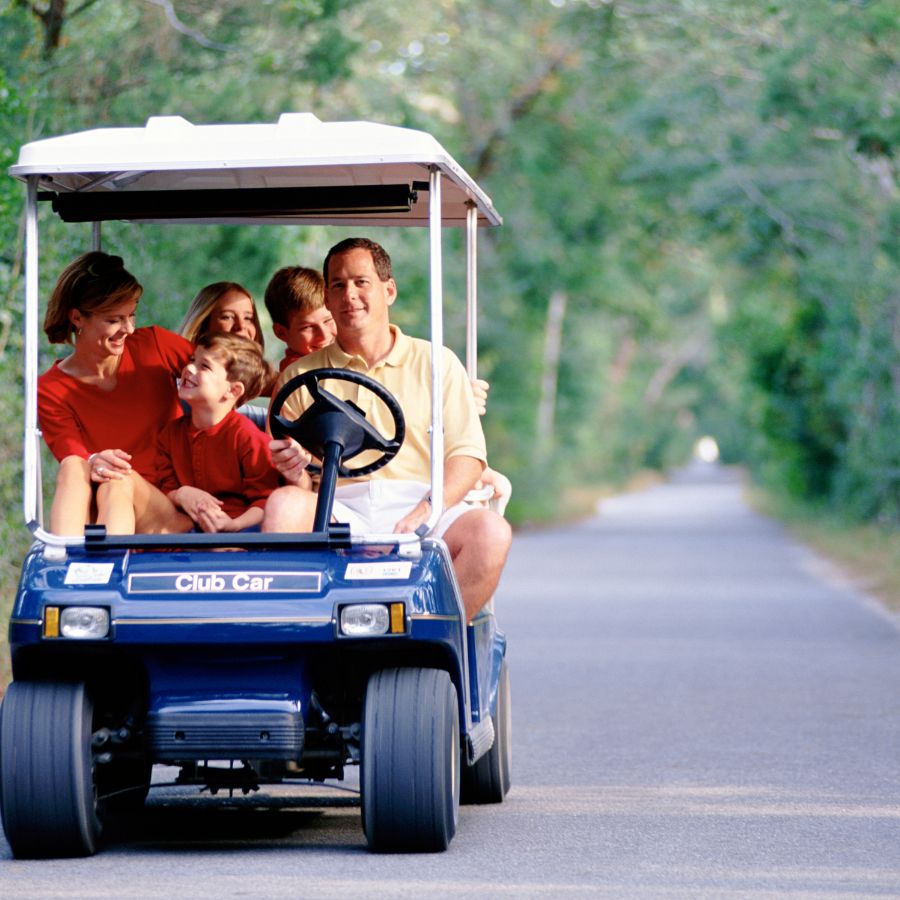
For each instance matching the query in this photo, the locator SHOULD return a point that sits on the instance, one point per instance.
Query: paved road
(700, 710)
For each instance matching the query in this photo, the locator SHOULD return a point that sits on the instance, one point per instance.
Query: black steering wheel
(331, 422)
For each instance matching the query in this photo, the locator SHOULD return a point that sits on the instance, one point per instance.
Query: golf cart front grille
(249, 734)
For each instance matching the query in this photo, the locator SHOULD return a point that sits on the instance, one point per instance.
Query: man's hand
(291, 460)
(412, 520)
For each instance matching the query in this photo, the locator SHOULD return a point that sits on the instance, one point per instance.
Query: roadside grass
(869, 554)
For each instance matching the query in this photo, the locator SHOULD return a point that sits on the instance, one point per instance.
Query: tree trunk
(556, 311)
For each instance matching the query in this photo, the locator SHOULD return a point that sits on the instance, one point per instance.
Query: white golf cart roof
(300, 170)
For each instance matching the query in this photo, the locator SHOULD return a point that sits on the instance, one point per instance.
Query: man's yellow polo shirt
(406, 373)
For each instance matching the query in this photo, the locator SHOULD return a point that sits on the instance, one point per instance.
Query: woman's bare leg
(154, 512)
(71, 508)
(115, 505)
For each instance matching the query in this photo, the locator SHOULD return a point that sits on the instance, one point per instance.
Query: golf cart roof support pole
(32, 434)
(437, 347)
(472, 290)
(96, 237)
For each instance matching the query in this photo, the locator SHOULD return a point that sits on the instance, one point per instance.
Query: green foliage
(12, 538)
(778, 162)
(711, 185)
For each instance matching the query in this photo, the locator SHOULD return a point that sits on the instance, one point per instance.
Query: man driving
(359, 291)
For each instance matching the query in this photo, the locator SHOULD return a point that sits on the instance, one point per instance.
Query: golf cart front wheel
(47, 796)
(410, 761)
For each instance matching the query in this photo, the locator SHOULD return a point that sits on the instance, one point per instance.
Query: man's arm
(460, 475)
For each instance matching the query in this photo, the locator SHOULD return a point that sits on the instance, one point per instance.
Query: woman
(101, 407)
(223, 306)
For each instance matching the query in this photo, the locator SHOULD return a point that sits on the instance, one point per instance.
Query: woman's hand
(109, 465)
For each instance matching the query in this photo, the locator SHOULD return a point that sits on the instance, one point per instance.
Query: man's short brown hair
(380, 258)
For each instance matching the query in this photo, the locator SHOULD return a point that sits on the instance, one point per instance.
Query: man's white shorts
(375, 507)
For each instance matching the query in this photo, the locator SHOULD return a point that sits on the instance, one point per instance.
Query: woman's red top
(79, 419)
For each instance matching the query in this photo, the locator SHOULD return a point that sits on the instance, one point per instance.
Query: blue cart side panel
(487, 647)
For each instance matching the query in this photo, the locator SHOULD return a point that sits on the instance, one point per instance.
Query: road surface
(701, 709)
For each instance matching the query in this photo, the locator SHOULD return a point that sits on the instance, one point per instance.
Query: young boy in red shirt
(214, 464)
(295, 299)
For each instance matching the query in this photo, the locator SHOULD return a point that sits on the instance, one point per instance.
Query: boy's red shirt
(289, 357)
(230, 461)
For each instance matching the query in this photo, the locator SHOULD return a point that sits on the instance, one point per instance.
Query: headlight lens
(365, 619)
(84, 622)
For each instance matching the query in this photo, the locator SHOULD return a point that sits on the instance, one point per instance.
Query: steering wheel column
(331, 463)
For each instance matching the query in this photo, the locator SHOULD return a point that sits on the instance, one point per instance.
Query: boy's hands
(208, 513)
(202, 507)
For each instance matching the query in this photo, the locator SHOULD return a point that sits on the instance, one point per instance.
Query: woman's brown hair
(93, 283)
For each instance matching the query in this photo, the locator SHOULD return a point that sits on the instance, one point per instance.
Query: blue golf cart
(251, 659)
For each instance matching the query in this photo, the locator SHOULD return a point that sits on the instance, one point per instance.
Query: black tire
(47, 796)
(488, 780)
(410, 761)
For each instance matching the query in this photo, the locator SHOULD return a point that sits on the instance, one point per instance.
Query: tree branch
(762, 202)
(523, 102)
(52, 19)
(181, 28)
(670, 367)
(525, 99)
(86, 5)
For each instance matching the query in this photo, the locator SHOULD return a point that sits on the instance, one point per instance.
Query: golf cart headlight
(83, 622)
(365, 619)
